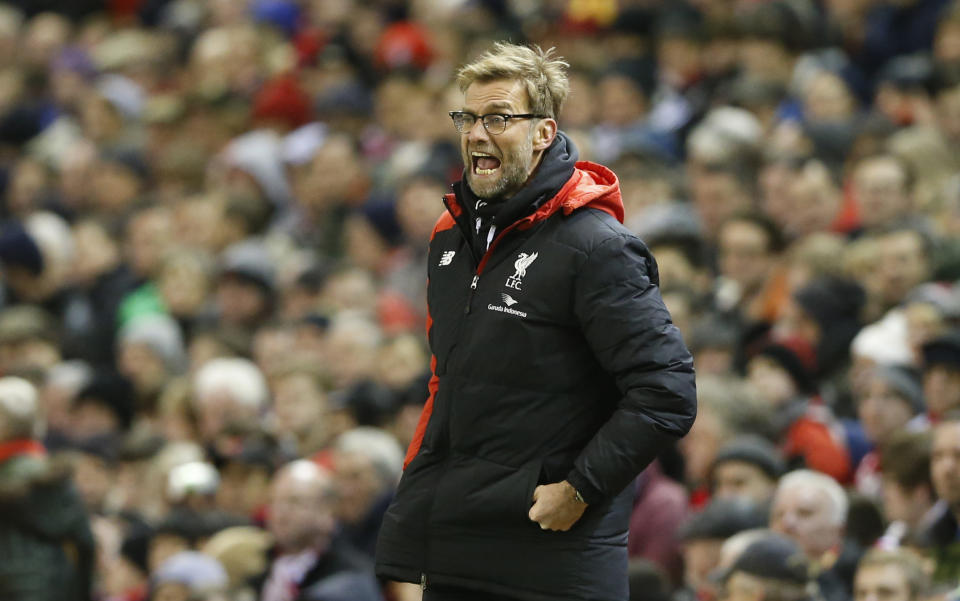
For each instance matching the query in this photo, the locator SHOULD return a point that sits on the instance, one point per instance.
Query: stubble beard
(515, 168)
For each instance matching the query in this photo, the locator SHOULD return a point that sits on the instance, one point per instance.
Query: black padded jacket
(553, 358)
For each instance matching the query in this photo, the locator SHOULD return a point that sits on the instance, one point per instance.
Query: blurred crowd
(215, 217)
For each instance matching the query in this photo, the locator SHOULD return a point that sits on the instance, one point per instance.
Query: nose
(478, 132)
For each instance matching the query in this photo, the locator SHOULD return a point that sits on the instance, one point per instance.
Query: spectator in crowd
(896, 575)
(366, 467)
(42, 515)
(810, 508)
(945, 473)
(310, 561)
(941, 374)
(907, 489)
(892, 400)
(772, 567)
(704, 534)
(747, 468)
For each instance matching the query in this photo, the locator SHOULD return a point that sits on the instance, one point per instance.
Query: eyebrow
(493, 106)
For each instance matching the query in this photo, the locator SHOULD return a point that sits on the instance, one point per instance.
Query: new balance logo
(509, 300)
(447, 257)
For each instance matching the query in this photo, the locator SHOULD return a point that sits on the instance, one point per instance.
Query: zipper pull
(473, 286)
(423, 581)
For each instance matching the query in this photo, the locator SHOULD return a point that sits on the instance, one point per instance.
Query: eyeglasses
(494, 123)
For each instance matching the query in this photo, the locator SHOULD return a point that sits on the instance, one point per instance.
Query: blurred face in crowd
(143, 366)
(945, 462)
(941, 388)
(243, 488)
(775, 182)
(745, 255)
(904, 504)
(149, 236)
(880, 185)
(804, 513)
(882, 411)
(299, 403)
(93, 478)
(699, 559)
(903, 265)
(765, 59)
(828, 99)
(621, 100)
(813, 202)
(300, 515)
(27, 183)
(743, 480)
(741, 586)
(32, 353)
(96, 252)
(498, 165)
(351, 352)
(184, 284)
(114, 187)
(881, 582)
(399, 361)
(716, 196)
(700, 445)
(240, 302)
(947, 105)
(770, 381)
(418, 208)
(358, 485)
(334, 175)
(924, 323)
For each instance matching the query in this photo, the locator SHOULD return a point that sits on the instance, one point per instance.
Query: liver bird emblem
(521, 264)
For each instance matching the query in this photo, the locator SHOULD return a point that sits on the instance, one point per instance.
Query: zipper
(473, 288)
(423, 581)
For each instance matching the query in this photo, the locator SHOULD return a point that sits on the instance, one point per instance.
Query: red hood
(591, 184)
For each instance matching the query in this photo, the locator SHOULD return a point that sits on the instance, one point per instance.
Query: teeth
(485, 171)
(480, 154)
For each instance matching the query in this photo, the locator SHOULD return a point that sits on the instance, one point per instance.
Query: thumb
(534, 513)
(536, 493)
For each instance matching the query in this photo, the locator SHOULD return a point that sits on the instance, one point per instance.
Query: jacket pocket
(477, 492)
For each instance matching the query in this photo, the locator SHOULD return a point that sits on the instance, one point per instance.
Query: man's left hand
(555, 506)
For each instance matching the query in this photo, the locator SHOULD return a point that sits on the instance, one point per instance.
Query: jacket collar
(590, 185)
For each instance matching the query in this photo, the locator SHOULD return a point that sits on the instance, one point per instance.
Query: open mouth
(484, 164)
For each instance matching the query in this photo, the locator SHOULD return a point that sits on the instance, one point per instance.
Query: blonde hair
(541, 72)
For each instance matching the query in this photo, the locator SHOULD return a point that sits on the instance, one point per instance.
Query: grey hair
(809, 478)
(380, 448)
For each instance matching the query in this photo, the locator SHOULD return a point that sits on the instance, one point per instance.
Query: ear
(546, 131)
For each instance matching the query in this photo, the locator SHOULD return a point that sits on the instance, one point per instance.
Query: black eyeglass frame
(483, 119)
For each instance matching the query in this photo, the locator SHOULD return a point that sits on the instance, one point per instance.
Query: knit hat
(111, 391)
(905, 383)
(773, 557)
(403, 45)
(250, 261)
(18, 247)
(790, 360)
(831, 300)
(754, 450)
(283, 99)
(943, 350)
(161, 334)
(721, 519)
